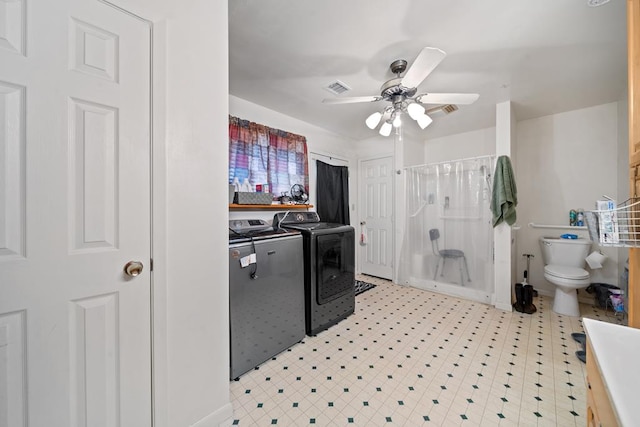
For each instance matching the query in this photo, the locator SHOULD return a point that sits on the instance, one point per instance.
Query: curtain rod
(489, 156)
(328, 156)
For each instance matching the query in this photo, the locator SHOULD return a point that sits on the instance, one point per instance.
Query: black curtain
(332, 193)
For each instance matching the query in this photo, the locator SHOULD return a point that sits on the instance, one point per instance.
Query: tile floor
(409, 357)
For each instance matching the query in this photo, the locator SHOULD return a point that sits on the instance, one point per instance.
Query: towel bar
(560, 227)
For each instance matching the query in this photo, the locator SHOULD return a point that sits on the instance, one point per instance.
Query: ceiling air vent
(442, 110)
(449, 108)
(337, 87)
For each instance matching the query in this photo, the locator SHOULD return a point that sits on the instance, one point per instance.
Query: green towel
(505, 193)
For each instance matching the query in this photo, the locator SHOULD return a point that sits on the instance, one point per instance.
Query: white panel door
(376, 207)
(74, 209)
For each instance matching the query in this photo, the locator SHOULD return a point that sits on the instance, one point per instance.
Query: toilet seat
(566, 272)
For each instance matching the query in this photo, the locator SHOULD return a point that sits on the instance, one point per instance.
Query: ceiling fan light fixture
(385, 129)
(424, 121)
(415, 110)
(373, 120)
(401, 93)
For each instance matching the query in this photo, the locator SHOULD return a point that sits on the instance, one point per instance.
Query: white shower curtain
(452, 197)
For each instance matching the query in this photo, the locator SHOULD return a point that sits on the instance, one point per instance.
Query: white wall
(376, 146)
(191, 328)
(413, 152)
(197, 271)
(504, 246)
(565, 161)
(461, 146)
(408, 153)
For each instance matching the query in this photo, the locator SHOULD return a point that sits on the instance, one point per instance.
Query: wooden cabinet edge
(598, 400)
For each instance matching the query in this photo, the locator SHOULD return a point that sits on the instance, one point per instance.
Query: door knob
(133, 268)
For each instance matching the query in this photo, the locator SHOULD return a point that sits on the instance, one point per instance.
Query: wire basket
(615, 226)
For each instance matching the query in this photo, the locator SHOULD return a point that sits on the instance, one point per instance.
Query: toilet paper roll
(595, 259)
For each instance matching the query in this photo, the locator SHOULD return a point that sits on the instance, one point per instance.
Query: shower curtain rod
(328, 156)
(489, 156)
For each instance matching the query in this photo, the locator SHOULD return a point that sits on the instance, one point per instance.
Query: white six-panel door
(376, 207)
(74, 209)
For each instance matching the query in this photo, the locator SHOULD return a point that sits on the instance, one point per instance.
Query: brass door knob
(133, 268)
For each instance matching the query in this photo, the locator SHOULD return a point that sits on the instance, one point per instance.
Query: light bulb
(415, 111)
(424, 121)
(397, 121)
(385, 129)
(373, 120)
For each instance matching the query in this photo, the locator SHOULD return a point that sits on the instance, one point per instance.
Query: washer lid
(566, 272)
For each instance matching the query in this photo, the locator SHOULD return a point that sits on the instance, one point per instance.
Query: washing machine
(266, 292)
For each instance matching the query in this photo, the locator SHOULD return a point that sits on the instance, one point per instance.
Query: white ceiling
(546, 56)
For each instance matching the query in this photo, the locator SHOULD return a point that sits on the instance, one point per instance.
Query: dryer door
(335, 265)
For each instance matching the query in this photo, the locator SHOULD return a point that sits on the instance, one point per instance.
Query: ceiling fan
(401, 93)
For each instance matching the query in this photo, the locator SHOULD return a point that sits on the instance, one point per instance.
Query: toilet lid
(566, 272)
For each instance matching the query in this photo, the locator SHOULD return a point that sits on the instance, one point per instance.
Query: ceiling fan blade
(448, 98)
(427, 60)
(351, 100)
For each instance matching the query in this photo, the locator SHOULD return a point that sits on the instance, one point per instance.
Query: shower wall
(453, 198)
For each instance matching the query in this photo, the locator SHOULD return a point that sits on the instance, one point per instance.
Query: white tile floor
(408, 357)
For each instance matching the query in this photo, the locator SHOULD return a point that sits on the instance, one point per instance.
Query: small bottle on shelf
(246, 187)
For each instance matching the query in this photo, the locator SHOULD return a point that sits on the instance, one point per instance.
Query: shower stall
(448, 240)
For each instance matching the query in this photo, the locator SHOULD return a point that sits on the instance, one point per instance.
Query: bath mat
(363, 286)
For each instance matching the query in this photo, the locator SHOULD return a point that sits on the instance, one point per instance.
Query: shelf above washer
(236, 207)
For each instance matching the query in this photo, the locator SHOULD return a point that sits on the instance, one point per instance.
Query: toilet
(564, 260)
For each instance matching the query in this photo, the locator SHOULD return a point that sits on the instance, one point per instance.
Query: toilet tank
(570, 252)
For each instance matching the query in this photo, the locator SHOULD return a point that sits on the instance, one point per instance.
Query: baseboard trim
(546, 292)
(504, 307)
(223, 417)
